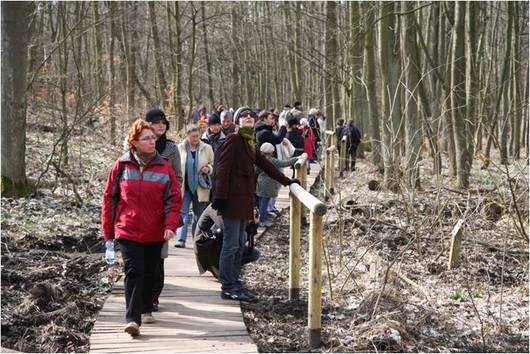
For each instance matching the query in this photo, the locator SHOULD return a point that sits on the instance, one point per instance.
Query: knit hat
(267, 148)
(156, 114)
(292, 121)
(241, 110)
(214, 119)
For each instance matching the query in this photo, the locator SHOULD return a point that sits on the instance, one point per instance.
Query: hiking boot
(132, 328)
(180, 244)
(148, 318)
(237, 296)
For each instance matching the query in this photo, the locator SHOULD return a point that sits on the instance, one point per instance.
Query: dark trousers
(159, 281)
(141, 265)
(350, 159)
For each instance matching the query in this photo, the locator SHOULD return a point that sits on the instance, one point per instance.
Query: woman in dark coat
(234, 199)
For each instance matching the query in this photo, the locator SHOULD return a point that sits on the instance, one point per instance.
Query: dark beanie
(214, 119)
(156, 114)
(292, 120)
(241, 110)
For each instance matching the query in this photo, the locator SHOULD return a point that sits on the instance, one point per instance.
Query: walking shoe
(180, 244)
(132, 328)
(148, 318)
(237, 296)
(155, 307)
(250, 294)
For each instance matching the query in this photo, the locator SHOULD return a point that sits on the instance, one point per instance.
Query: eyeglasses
(147, 138)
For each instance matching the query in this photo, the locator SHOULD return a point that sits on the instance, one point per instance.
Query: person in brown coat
(234, 199)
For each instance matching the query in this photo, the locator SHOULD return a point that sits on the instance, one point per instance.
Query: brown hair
(264, 114)
(135, 130)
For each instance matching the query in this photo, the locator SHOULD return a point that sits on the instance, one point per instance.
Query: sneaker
(132, 328)
(237, 296)
(273, 214)
(148, 318)
(265, 224)
(180, 244)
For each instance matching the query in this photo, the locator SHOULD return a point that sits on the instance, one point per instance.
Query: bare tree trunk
(112, 78)
(191, 61)
(15, 40)
(331, 58)
(390, 94)
(370, 81)
(412, 84)
(207, 57)
(162, 83)
(63, 80)
(236, 82)
(179, 110)
(517, 109)
(458, 97)
(98, 50)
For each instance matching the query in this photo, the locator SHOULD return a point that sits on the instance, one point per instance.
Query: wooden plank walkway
(192, 316)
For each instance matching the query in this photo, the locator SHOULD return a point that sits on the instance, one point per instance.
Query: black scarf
(161, 143)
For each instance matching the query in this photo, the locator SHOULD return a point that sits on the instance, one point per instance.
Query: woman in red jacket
(141, 206)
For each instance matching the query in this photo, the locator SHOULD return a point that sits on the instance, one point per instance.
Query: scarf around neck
(143, 159)
(161, 143)
(248, 134)
(192, 177)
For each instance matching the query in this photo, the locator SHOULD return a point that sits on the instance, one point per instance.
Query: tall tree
(390, 93)
(207, 55)
(369, 77)
(458, 97)
(412, 68)
(15, 16)
(162, 83)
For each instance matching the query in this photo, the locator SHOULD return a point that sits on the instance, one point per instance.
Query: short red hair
(135, 130)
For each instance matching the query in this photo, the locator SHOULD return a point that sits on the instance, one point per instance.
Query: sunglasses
(247, 114)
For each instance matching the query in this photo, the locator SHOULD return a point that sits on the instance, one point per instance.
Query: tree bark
(370, 81)
(458, 97)
(390, 94)
(207, 57)
(162, 83)
(15, 40)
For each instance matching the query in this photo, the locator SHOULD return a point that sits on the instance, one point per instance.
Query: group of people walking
(234, 165)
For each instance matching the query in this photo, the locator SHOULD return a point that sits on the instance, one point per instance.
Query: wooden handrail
(302, 160)
(309, 200)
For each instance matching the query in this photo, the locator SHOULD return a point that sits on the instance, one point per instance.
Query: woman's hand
(205, 169)
(168, 235)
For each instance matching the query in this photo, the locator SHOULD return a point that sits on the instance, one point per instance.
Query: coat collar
(128, 157)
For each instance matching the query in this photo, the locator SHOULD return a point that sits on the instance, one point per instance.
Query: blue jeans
(198, 207)
(272, 204)
(230, 262)
(263, 205)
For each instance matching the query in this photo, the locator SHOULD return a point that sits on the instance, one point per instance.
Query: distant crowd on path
(227, 170)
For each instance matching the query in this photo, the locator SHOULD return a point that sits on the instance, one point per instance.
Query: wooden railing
(299, 198)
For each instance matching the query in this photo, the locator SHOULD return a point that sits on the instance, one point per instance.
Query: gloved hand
(293, 180)
(219, 204)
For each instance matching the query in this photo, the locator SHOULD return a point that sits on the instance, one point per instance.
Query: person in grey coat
(167, 149)
(266, 187)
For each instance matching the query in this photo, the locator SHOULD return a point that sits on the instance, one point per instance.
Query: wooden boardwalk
(192, 316)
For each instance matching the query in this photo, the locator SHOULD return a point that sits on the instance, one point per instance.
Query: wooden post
(315, 279)
(332, 170)
(326, 175)
(294, 247)
(342, 158)
(456, 240)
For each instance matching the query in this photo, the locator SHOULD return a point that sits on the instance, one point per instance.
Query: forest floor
(54, 278)
(387, 287)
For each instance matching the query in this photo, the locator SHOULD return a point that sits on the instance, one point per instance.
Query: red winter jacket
(140, 206)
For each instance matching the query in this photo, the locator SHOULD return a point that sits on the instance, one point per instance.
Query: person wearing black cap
(264, 131)
(214, 137)
(234, 199)
(167, 148)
